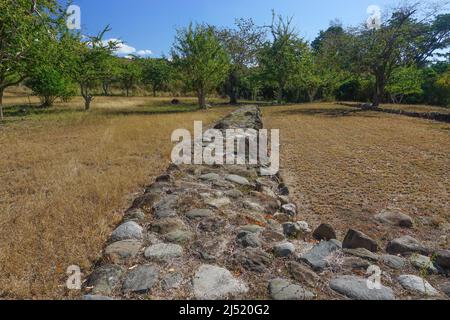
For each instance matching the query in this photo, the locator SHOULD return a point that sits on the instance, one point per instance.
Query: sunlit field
(345, 165)
(66, 177)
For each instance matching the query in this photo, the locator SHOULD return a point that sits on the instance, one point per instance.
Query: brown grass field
(66, 178)
(345, 165)
(67, 175)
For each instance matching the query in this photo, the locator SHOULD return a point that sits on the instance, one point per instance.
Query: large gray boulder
(405, 245)
(415, 284)
(317, 257)
(357, 288)
(356, 239)
(141, 279)
(126, 231)
(281, 289)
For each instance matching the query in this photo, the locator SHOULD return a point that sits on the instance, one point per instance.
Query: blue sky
(149, 25)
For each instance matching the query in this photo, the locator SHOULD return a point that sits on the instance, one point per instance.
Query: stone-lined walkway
(219, 232)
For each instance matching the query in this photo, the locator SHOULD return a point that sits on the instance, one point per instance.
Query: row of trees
(389, 63)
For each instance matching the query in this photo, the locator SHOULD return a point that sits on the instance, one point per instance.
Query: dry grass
(66, 178)
(345, 165)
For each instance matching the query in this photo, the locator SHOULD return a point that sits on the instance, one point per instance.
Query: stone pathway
(225, 232)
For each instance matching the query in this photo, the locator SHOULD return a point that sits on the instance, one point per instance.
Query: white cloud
(125, 50)
(144, 52)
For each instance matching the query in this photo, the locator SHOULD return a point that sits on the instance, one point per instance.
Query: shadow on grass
(329, 112)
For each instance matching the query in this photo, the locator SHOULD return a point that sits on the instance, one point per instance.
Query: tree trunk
(379, 90)
(1, 103)
(201, 99)
(233, 87)
(154, 91)
(280, 93)
(87, 103)
(106, 88)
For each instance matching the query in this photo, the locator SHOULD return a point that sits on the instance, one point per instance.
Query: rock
(362, 253)
(210, 177)
(282, 217)
(405, 245)
(283, 190)
(422, 263)
(135, 215)
(284, 199)
(254, 259)
(281, 289)
(443, 259)
(416, 284)
(251, 228)
(324, 232)
(247, 239)
(237, 179)
(165, 208)
(167, 225)
(393, 262)
(179, 236)
(172, 281)
(395, 218)
(356, 288)
(141, 279)
(304, 227)
(294, 230)
(273, 236)
(235, 194)
(211, 224)
(163, 251)
(445, 287)
(147, 200)
(289, 209)
(284, 249)
(303, 274)
(90, 297)
(212, 283)
(316, 258)
(123, 250)
(163, 178)
(219, 203)
(105, 279)
(199, 214)
(356, 239)
(355, 263)
(126, 231)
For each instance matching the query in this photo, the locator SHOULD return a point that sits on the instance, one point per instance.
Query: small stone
(356, 239)
(163, 251)
(237, 179)
(219, 203)
(235, 194)
(362, 253)
(293, 230)
(105, 279)
(394, 262)
(90, 297)
(247, 239)
(416, 284)
(303, 274)
(316, 258)
(405, 245)
(123, 250)
(284, 199)
(179, 236)
(210, 177)
(282, 217)
(212, 283)
(304, 227)
(167, 225)
(357, 288)
(281, 289)
(199, 214)
(423, 263)
(254, 259)
(172, 281)
(443, 259)
(324, 232)
(283, 190)
(135, 215)
(284, 249)
(289, 209)
(273, 236)
(127, 230)
(355, 263)
(251, 228)
(163, 178)
(445, 287)
(395, 218)
(140, 279)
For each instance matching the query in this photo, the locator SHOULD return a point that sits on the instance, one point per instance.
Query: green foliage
(157, 73)
(201, 59)
(404, 81)
(130, 74)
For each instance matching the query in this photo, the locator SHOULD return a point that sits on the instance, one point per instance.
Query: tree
(408, 36)
(157, 73)
(201, 59)
(23, 23)
(404, 81)
(130, 74)
(443, 84)
(242, 45)
(282, 58)
(90, 57)
(110, 74)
